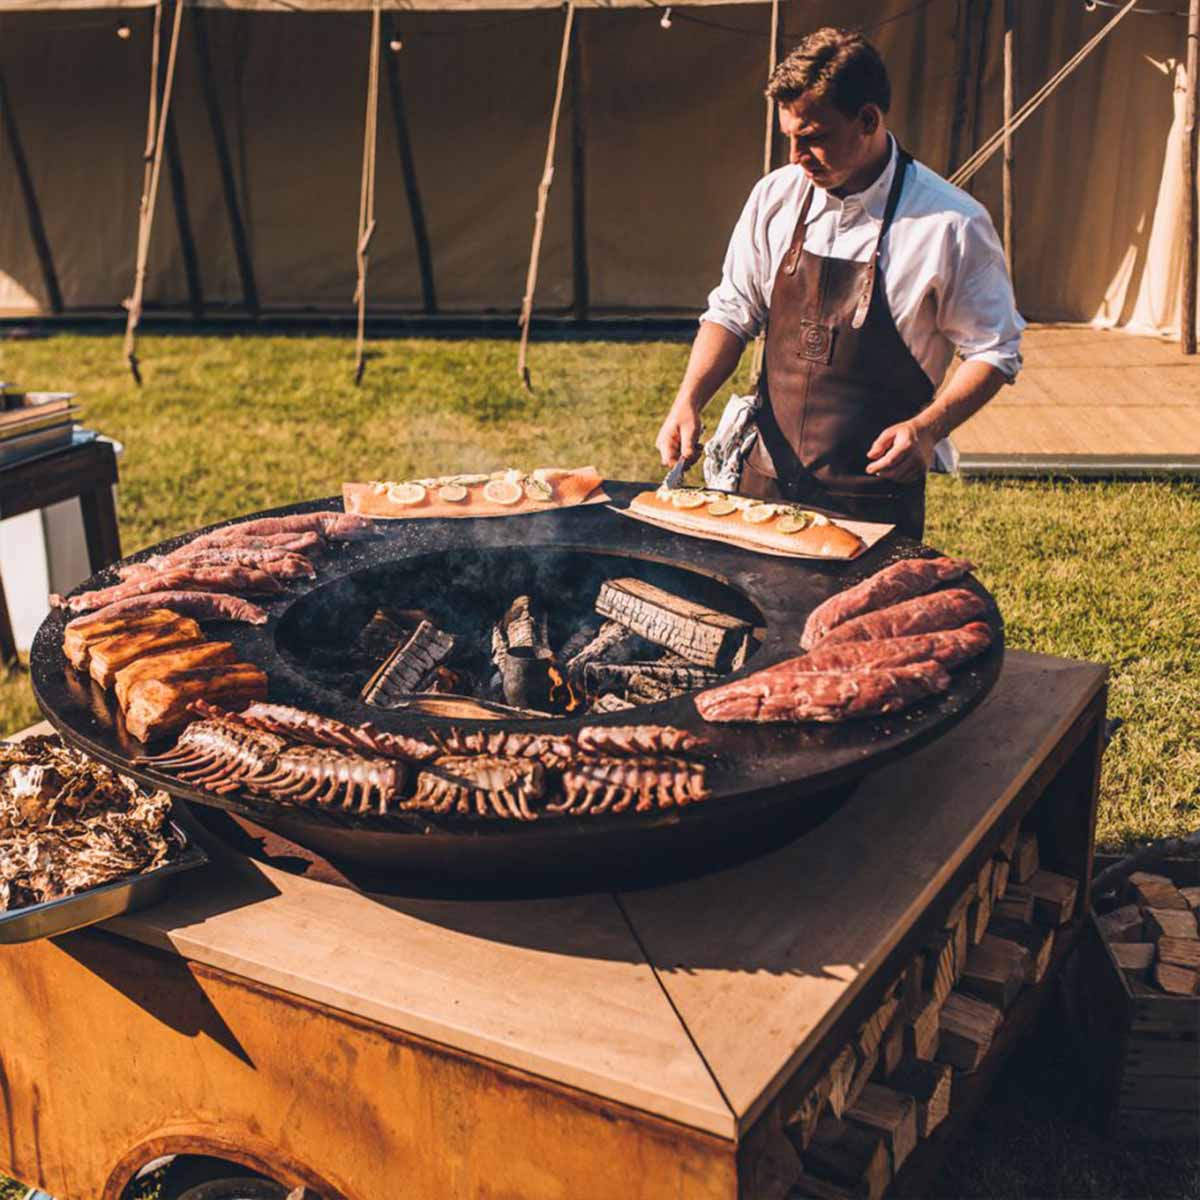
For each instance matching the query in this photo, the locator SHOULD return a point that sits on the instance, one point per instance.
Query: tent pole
(416, 209)
(33, 212)
(579, 259)
(153, 171)
(366, 206)
(760, 342)
(183, 222)
(1191, 113)
(539, 220)
(241, 246)
(1010, 87)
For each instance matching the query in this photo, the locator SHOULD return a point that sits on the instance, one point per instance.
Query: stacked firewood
(892, 1084)
(1154, 935)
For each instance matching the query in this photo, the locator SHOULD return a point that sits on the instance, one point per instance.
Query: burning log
(645, 683)
(608, 644)
(699, 634)
(410, 665)
(522, 654)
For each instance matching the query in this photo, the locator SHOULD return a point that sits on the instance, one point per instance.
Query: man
(868, 271)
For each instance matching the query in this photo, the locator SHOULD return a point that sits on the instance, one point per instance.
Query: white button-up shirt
(942, 267)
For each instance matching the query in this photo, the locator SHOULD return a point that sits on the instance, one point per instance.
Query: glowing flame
(558, 685)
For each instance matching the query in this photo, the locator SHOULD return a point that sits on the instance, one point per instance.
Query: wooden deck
(1090, 401)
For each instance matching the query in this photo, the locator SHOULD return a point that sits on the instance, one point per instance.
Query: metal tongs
(675, 475)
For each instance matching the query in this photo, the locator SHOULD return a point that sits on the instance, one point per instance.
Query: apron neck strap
(903, 158)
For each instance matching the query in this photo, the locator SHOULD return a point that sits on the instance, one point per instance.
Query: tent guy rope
(156, 136)
(539, 220)
(366, 199)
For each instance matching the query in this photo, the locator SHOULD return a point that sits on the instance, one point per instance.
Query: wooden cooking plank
(731, 964)
(556, 987)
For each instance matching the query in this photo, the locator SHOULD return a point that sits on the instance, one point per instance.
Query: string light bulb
(395, 45)
(124, 32)
(666, 19)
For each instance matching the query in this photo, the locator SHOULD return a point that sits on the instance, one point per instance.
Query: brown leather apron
(836, 374)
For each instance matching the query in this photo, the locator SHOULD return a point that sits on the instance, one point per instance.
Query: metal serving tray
(99, 903)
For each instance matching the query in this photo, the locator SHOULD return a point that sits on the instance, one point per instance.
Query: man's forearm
(973, 385)
(714, 357)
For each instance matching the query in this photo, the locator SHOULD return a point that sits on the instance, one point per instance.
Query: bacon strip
(899, 581)
(203, 606)
(786, 693)
(301, 543)
(922, 614)
(950, 647)
(283, 564)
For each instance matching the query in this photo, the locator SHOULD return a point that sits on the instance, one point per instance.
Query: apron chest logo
(816, 342)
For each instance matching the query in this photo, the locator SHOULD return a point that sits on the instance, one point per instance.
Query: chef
(868, 272)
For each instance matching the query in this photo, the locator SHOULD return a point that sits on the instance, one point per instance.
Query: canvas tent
(661, 139)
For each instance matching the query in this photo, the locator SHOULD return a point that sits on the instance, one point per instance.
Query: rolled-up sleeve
(738, 302)
(977, 311)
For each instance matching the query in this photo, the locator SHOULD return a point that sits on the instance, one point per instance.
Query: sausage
(923, 614)
(203, 606)
(900, 581)
(950, 647)
(784, 692)
(217, 578)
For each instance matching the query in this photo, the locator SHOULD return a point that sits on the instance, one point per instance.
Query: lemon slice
(687, 499)
(503, 491)
(406, 494)
(539, 489)
(722, 508)
(758, 514)
(794, 522)
(452, 493)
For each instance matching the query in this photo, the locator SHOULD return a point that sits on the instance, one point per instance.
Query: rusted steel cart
(628, 1045)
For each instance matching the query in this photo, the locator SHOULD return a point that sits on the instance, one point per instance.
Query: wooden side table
(88, 471)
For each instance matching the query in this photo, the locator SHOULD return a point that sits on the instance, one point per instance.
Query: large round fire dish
(509, 602)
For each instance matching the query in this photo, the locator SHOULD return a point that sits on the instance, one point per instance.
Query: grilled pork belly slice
(158, 706)
(110, 655)
(79, 638)
(164, 663)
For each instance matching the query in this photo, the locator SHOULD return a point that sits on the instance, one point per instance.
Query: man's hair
(837, 64)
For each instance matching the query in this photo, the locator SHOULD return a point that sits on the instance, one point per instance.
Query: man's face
(830, 146)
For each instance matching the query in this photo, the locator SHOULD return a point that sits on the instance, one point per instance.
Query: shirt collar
(872, 199)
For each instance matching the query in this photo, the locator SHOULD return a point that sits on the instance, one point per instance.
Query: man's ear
(870, 117)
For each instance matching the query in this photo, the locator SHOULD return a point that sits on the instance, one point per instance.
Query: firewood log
(891, 1049)
(851, 1156)
(1123, 924)
(862, 1075)
(1053, 897)
(1180, 952)
(1134, 958)
(871, 1034)
(996, 971)
(1037, 940)
(1169, 922)
(958, 910)
(1016, 903)
(921, 1033)
(800, 1123)
(1008, 844)
(929, 1084)
(962, 944)
(939, 967)
(1192, 896)
(841, 1076)
(1153, 891)
(1176, 980)
(1025, 858)
(893, 1114)
(978, 916)
(968, 1027)
(701, 635)
(809, 1187)
(1000, 872)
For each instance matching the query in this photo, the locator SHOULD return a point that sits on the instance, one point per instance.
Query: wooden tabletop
(691, 1001)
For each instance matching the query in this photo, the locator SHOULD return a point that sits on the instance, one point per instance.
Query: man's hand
(902, 452)
(679, 436)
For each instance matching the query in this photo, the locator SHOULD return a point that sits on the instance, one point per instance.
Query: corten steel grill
(769, 782)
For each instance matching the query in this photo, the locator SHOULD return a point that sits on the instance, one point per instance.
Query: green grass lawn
(1099, 571)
